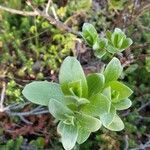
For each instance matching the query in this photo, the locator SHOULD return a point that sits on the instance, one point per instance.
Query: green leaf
(40, 92)
(107, 92)
(100, 44)
(123, 104)
(122, 90)
(126, 43)
(99, 104)
(77, 101)
(100, 53)
(59, 110)
(75, 88)
(71, 71)
(108, 117)
(99, 47)
(89, 33)
(113, 70)
(108, 35)
(95, 83)
(111, 49)
(69, 134)
(116, 125)
(88, 123)
(83, 135)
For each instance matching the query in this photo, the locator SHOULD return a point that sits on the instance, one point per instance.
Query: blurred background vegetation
(33, 49)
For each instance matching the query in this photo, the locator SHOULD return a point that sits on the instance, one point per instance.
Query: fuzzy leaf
(111, 49)
(116, 125)
(126, 43)
(89, 33)
(88, 123)
(107, 92)
(113, 70)
(95, 83)
(122, 90)
(40, 92)
(83, 135)
(58, 110)
(71, 71)
(107, 118)
(69, 134)
(123, 104)
(99, 104)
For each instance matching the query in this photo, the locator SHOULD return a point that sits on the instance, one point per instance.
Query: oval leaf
(59, 110)
(113, 70)
(40, 92)
(122, 90)
(89, 123)
(123, 104)
(69, 134)
(95, 83)
(71, 71)
(89, 33)
(107, 118)
(83, 135)
(99, 104)
(116, 125)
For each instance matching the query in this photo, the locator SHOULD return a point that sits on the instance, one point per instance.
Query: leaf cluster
(113, 43)
(82, 104)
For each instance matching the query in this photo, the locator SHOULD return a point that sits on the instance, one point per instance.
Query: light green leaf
(108, 117)
(77, 101)
(100, 53)
(113, 70)
(88, 123)
(82, 135)
(89, 33)
(40, 92)
(100, 44)
(126, 43)
(71, 71)
(107, 92)
(108, 35)
(123, 104)
(116, 125)
(99, 104)
(111, 49)
(95, 83)
(99, 47)
(59, 110)
(75, 88)
(122, 90)
(69, 134)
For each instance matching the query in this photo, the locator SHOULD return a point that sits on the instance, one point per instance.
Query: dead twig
(19, 12)
(44, 14)
(2, 97)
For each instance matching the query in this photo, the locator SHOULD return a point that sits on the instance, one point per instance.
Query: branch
(47, 6)
(60, 25)
(37, 12)
(19, 12)
(2, 96)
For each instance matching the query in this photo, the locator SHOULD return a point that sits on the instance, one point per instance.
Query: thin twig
(19, 12)
(37, 12)
(126, 142)
(2, 96)
(47, 6)
(54, 12)
(60, 25)
(36, 111)
(143, 106)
